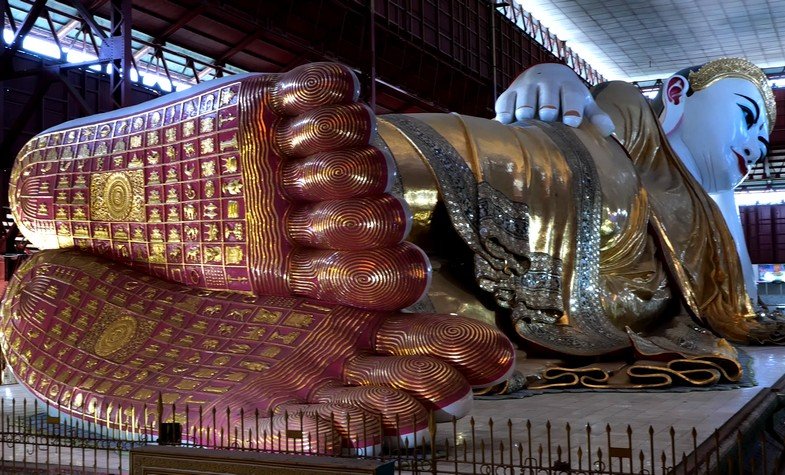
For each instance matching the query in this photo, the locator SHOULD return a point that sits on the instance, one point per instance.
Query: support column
(120, 44)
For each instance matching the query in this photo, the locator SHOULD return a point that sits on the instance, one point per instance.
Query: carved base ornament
(244, 243)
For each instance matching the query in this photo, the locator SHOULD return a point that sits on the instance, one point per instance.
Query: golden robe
(584, 238)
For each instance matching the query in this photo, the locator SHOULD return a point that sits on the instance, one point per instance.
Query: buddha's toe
(327, 428)
(401, 416)
(435, 384)
(479, 351)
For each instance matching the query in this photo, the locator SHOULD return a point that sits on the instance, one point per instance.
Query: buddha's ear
(674, 94)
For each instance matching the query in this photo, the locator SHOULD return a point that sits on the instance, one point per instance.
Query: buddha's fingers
(435, 384)
(479, 351)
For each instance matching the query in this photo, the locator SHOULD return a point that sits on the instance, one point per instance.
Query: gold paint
(255, 366)
(123, 390)
(191, 233)
(208, 168)
(205, 373)
(210, 211)
(116, 335)
(136, 141)
(153, 157)
(221, 360)
(209, 189)
(207, 146)
(170, 134)
(189, 127)
(270, 352)
(266, 316)
(233, 187)
(237, 376)
(121, 373)
(211, 231)
(171, 175)
(210, 344)
(142, 395)
(234, 255)
(118, 196)
(104, 387)
(189, 211)
(215, 390)
(232, 210)
(155, 217)
(254, 333)
(286, 339)
(229, 164)
(187, 385)
(227, 94)
(135, 162)
(213, 254)
(207, 124)
(172, 216)
(230, 144)
(190, 149)
(299, 320)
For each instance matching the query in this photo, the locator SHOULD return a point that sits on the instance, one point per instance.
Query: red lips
(742, 164)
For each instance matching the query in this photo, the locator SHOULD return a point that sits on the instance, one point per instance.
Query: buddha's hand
(91, 335)
(551, 92)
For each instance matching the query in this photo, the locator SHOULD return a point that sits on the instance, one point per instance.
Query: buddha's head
(722, 113)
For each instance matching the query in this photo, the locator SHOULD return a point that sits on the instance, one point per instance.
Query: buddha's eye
(749, 117)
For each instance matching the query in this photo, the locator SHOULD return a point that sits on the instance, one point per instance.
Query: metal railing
(37, 438)
(541, 34)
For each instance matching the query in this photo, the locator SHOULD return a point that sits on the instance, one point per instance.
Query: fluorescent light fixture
(752, 198)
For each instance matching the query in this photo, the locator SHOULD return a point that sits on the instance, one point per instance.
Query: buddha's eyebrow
(757, 108)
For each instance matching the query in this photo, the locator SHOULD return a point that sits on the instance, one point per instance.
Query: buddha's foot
(104, 342)
(262, 183)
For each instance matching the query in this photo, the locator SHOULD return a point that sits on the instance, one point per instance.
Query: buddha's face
(726, 129)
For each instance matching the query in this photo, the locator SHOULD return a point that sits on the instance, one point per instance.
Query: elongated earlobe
(673, 102)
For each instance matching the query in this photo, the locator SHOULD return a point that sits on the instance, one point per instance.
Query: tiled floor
(704, 411)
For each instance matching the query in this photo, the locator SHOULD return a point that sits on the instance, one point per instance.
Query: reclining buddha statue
(250, 241)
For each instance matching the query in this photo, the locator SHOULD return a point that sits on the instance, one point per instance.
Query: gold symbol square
(118, 196)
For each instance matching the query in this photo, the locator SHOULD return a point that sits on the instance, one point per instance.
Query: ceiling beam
(189, 15)
(247, 40)
(27, 25)
(67, 28)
